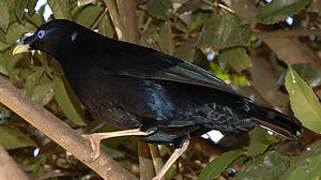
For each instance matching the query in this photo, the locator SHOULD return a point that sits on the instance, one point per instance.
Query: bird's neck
(83, 51)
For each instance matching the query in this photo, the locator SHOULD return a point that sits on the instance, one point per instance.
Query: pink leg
(97, 137)
(176, 154)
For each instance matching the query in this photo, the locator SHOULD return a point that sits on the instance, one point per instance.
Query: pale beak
(21, 48)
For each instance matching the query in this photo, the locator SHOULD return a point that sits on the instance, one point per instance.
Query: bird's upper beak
(21, 48)
(25, 46)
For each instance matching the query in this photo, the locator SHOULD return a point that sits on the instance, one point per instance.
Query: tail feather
(276, 121)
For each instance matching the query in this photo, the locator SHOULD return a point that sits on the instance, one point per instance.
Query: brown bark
(157, 159)
(9, 169)
(146, 167)
(127, 14)
(112, 9)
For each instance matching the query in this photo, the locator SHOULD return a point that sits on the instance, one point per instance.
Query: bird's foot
(94, 142)
(97, 137)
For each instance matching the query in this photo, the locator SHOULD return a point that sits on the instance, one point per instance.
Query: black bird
(146, 93)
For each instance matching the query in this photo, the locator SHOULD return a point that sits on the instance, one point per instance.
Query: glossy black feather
(131, 86)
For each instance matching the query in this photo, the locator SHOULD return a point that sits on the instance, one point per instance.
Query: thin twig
(9, 169)
(223, 7)
(59, 132)
(145, 162)
(99, 19)
(157, 159)
(111, 6)
(146, 25)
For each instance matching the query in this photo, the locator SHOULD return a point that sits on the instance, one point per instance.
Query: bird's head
(55, 38)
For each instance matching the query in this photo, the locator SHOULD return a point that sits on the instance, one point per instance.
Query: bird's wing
(133, 60)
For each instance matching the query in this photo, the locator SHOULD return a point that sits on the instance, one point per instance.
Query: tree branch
(146, 169)
(112, 9)
(157, 159)
(9, 169)
(127, 13)
(59, 132)
(285, 33)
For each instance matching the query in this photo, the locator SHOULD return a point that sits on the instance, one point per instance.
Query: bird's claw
(94, 142)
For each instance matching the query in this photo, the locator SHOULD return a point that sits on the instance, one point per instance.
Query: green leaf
(239, 80)
(197, 19)
(60, 9)
(88, 15)
(170, 174)
(106, 28)
(315, 7)
(19, 7)
(11, 138)
(37, 18)
(4, 15)
(3, 46)
(10, 62)
(32, 80)
(307, 166)
(16, 30)
(31, 6)
(186, 51)
(223, 65)
(43, 93)
(277, 10)
(165, 39)
(237, 58)
(3, 64)
(224, 29)
(218, 165)
(268, 167)
(3, 39)
(191, 5)
(260, 140)
(160, 8)
(309, 72)
(217, 71)
(304, 102)
(66, 103)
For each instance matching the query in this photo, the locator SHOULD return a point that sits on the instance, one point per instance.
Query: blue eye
(41, 34)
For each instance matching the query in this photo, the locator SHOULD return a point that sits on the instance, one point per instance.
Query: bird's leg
(176, 154)
(97, 137)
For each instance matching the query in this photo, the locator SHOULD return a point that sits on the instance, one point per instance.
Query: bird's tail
(276, 121)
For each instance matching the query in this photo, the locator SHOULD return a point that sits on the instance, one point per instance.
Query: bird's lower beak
(21, 48)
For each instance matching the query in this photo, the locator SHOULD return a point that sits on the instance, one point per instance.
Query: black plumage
(131, 86)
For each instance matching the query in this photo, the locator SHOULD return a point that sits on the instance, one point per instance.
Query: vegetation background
(269, 51)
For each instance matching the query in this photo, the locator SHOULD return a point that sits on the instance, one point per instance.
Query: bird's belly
(101, 100)
(113, 116)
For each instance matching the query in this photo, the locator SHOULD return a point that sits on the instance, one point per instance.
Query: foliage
(304, 102)
(232, 40)
(217, 166)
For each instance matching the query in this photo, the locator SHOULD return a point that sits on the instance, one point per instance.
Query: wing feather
(142, 62)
